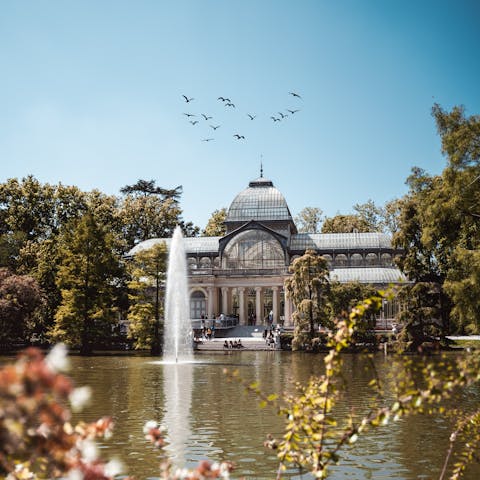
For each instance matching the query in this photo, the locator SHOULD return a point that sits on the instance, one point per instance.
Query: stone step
(241, 331)
(217, 344)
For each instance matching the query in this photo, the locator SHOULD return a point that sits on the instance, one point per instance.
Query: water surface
(208, 417)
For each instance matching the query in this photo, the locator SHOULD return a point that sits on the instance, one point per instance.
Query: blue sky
(91, 94)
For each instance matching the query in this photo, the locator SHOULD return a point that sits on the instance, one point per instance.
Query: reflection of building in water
(242, 274)
(177, 390)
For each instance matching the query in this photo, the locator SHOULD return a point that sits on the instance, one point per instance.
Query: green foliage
(148, 187)
(463, 287)
(150, 216)
(372, 214)
(346, 224)
(86, 279)
(343, 297)
(147, 271)
(421, 316)
(309, 219)
(316, 434)
(308, 287)
(215, 226)
(11, 244)
(439, 226)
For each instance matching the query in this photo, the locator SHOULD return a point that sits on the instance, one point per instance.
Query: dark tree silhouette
(148, 187)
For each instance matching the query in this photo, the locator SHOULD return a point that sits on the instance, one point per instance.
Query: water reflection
(177, 391)
(208, 417)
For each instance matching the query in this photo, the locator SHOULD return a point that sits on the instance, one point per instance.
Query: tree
(463, 287)
(308, 287)
(26, 206)
(391, 213)
(42, 261)
(371, 214)
(20, 300)
(148, 187)
(344, 296)
(420, 317)
(10, 245)
(215, 225)
(440, 221)
(345, 224)
(147, 287)
(86, 278)
(148, 211)
(309, 219)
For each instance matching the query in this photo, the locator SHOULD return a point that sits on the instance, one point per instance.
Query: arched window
(356, 260)
(205, 262)
(197, 304)
(340, 260)
(328, 258)
(192, 263)
(372, 259)
(253, 249)
(386, 259)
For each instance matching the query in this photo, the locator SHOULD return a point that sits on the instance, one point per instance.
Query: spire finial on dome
(261, 167)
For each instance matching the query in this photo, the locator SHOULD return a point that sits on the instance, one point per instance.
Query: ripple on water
(224, 423)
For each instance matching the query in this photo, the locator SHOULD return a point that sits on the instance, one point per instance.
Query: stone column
(275, 305)
(258, 305)
(224, 300)
(210, 302)
(242, 317)
(229, 301)
(288, 311)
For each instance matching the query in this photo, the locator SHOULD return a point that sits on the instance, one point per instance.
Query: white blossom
(75, 474)
(57, 359)
(114, 467)
(89, 450)
(149, 425)
(80, 397)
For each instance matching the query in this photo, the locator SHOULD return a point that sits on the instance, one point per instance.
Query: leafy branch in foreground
(315, 435)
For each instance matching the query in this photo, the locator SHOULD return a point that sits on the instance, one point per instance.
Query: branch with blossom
(37, 439)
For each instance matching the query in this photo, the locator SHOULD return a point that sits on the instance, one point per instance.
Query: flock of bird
(196, 119)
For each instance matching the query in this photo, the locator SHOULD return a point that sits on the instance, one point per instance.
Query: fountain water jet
(178, 329)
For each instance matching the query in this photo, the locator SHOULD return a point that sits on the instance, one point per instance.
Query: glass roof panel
(260, 201)
(368, 275)
(330, 241)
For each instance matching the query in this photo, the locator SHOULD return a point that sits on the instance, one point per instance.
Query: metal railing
(227, 322)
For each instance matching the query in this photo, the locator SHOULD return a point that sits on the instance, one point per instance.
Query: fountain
(177, 345)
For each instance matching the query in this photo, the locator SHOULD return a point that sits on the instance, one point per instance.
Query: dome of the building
(261, 201)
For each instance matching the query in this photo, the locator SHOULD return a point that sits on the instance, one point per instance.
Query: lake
(208, 417)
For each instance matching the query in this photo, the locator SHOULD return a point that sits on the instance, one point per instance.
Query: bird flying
(205, 117)
(239, 137)
(194, 122)
(292, 111)
(215, 127)
(282, 115)
(207, 139)
(251, 116)
(275, 119)
(229, 104)
(189, 114)
(188, 100)
(295, 95)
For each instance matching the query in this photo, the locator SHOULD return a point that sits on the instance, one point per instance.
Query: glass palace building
(242, 274)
